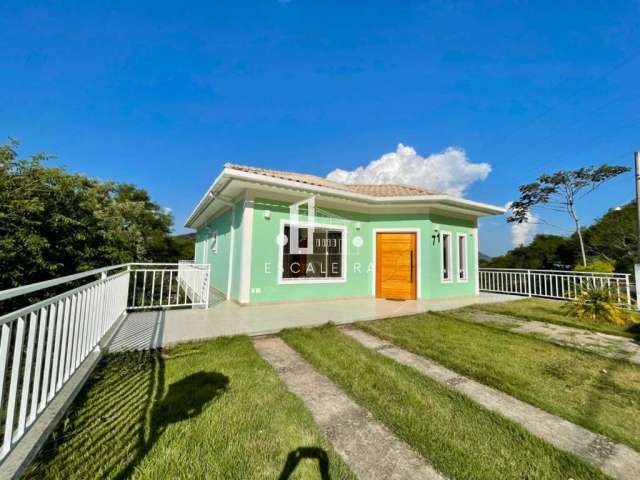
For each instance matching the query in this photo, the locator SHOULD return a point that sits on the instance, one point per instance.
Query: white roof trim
(229, 174)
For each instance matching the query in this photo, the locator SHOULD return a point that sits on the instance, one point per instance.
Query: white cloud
(446, 172)
(523, 233)
(167, 210)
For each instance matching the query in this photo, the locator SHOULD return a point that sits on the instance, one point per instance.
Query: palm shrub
(598, 304)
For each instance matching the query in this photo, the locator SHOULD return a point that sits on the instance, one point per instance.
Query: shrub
(598, 304)
(601, 266)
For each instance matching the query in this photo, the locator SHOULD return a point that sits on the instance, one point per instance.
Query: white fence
(43, 344)
(169, 285)
(557, 284)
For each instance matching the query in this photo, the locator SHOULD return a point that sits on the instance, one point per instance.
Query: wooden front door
(396, 266)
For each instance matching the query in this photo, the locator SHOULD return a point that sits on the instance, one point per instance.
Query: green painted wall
(360, 269)
(219, 261)
(434, 287)
(264, 257)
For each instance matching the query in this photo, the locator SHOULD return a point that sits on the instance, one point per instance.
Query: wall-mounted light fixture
(267, 214)
(358, 226)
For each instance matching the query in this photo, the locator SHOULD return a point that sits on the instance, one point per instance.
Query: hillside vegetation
(611, 238)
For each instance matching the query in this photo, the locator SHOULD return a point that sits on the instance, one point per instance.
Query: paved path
(612, 346)
(615, 459)
(367, 446)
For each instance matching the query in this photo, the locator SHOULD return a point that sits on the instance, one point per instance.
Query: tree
(613, 237)
(54, 223)
(185, 245)
(560, 191)
(546, 252)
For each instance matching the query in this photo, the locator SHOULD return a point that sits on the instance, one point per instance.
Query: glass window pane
(446, 247)
(316, 266)
(293, 266)
(303, 240)
(462, 257)
(334, 266)
(320, 241)
(334, 241)
(325, 261)
(287, 236)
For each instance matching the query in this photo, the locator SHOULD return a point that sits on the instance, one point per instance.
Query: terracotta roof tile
(383, 190)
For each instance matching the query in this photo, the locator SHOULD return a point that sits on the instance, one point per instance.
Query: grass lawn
(598, 393)
(202, 410)
(463, 440)
(551, 311)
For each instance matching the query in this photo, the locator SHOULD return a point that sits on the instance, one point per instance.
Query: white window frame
(465, 278)
(308, 281)
(449, 257)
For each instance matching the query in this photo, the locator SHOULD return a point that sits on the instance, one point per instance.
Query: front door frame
(374, 252)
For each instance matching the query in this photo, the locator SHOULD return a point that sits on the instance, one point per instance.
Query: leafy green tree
(185, 246)
(546, 252)
(561, 191)
(54, 223)
(610, 240)
(613, 237)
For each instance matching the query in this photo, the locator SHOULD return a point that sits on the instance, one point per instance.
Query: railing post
(626, 281)
(207, 289)
(529, 282)
(636, 278)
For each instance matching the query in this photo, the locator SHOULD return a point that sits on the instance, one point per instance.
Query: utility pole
(637, 263)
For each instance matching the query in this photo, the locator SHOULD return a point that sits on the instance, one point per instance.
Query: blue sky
(161, 94)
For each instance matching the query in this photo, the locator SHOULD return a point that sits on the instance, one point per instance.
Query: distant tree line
(55, 223)
(609, 243)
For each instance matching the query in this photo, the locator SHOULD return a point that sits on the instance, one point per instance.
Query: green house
(273, 236)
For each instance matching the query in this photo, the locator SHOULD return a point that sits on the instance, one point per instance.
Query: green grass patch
(598, 393)
(203, 410)
(460, 438)
(551, 311)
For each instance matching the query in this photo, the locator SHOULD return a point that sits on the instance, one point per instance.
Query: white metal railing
(168, 285)
(43, 344)
(557, 284)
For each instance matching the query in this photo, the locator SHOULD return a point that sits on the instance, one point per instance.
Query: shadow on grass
(635, 331)
(302, 453)
(120, 415)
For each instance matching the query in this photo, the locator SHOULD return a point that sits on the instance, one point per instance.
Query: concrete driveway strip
(612, 346)
(615, 459)
(366, 445)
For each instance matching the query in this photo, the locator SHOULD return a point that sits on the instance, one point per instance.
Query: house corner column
(477, 258)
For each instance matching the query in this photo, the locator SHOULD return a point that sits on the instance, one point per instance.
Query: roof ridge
(382, 189)
(399, 185)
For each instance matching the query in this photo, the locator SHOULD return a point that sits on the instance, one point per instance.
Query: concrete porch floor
(145, 330)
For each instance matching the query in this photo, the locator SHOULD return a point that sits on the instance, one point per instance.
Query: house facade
(274, 236)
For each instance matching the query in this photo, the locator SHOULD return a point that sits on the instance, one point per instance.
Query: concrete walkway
(371, 450)
(612, 346)
(156, 329)
(615, 459)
